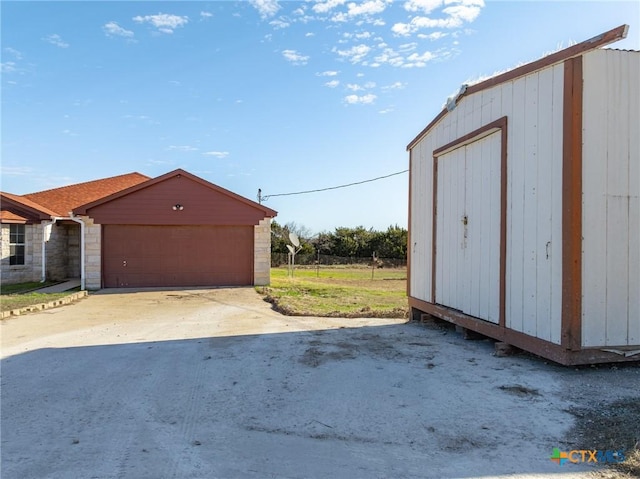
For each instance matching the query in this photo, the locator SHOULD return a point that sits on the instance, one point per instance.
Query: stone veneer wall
(32, 269)
(92, 251)
(56, 252)
(262, 253)
(73, 251)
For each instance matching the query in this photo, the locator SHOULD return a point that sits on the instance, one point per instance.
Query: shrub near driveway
(339, 291)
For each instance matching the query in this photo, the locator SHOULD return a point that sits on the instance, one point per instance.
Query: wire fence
(282, 259)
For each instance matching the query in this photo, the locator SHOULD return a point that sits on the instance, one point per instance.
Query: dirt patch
(372, 345)
(520, 391)
(611, 426)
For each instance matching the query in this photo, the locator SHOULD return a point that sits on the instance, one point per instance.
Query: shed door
(143, 256)
(468, 229)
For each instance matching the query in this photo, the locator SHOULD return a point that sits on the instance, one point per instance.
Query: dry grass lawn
(339, 291)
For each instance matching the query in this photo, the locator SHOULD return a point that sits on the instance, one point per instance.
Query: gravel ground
(215, 384)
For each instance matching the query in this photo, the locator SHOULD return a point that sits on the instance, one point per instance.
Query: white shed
(524, 211)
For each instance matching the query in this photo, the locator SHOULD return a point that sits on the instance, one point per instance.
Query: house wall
(73, 249)
(611, 208)
(56, 251)
(153, 205)
(92, 254)
(32, 269)
(262, 253)
(533, 105)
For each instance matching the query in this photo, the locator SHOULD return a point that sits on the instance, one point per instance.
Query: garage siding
(153, 256)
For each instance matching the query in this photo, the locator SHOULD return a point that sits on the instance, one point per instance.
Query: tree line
(358, 242)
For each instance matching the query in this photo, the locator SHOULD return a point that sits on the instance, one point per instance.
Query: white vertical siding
(420, 224)
(533, 105)
(483, 230)
(467, 256)
(534, 214)
(611, 211)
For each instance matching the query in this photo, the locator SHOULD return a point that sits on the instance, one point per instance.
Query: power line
(266, 197)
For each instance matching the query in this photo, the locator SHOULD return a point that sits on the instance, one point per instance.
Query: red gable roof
(23, 203)
(9, 217)
(63, 200)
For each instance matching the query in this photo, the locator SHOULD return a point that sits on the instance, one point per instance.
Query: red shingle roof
(9, 217)
(32, 205)
(65, 199)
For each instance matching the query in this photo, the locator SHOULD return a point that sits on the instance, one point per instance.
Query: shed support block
(505, 349)
(470, 334)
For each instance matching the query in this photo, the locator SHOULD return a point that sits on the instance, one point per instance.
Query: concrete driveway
(214, 384)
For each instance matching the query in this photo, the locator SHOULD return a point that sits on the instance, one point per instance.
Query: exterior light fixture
(177, 207)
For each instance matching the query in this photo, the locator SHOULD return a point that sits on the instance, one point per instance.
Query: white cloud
(15, 53)
(457, 13)
(363, 100)
(332, 83)
(418, 61)
(340, 17)
(432, 36)
(279, 24)
(206, 14)
(182, 148)
(355, 87)
(112, 29)
(395, 86)
(424, 6)
(370, 7)
(390, 57)
(56, 40)
(16, 170)
(467, 12)
(328, 73)
(217, 154)
(403, 29)
(294, 57)
(164, 22)
(327, 6)
(355, 54)
(266, 8)
(8, 67)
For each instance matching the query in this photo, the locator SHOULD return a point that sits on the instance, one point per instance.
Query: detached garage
(176, 230)
(524, 216)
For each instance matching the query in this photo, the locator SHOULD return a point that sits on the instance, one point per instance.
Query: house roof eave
(30, 207)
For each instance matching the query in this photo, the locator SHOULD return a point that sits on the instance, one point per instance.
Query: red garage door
(142, 256)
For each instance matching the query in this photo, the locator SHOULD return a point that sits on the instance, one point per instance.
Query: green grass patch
(339, 292)
(24, 287)
(17, 301)
(22, 295)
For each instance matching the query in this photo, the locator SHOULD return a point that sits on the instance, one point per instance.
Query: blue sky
(281, 96)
